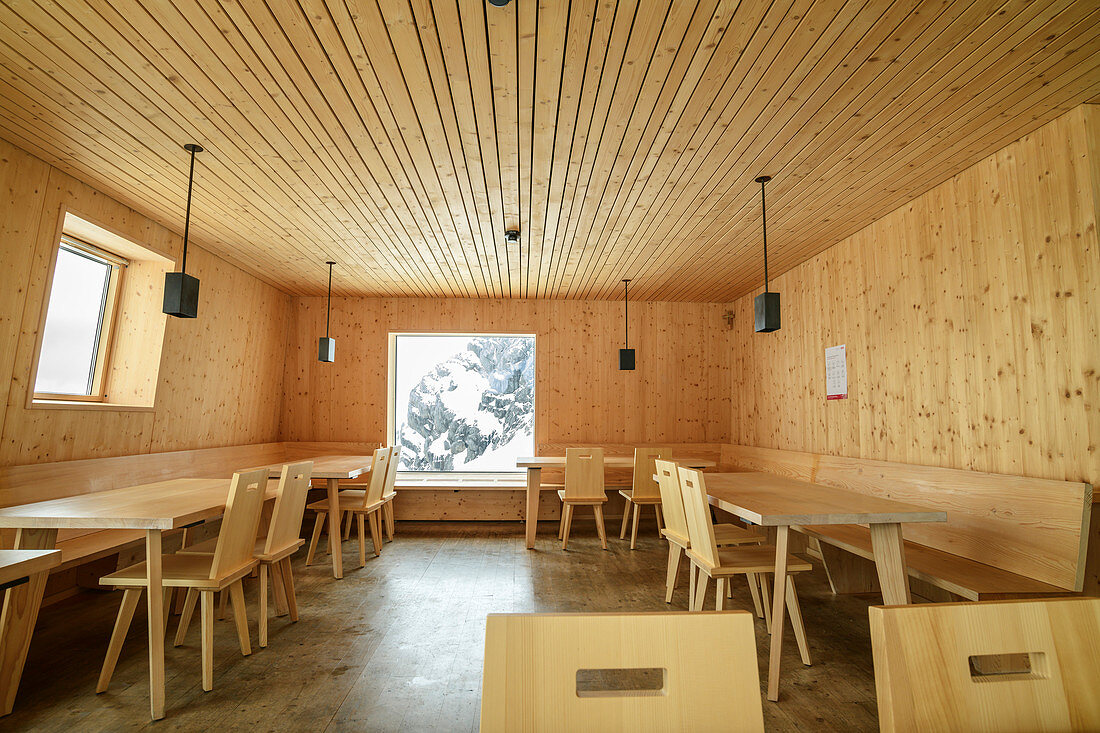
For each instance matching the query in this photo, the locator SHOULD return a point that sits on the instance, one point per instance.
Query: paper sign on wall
(836, 373)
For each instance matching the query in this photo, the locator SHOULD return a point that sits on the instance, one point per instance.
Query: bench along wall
(220, 379)
(971, 322)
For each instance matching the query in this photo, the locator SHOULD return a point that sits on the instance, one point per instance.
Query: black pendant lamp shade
(326, 347)
(181, 291)
(766, 305)
(626, 356)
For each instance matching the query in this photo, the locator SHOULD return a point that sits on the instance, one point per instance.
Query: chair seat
(629, 495)
(742, 560)
(581, 499)
(208, 547)
(347, 504)
(724, 535)
(178, 571)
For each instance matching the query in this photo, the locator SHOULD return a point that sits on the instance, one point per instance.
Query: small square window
(80, 320)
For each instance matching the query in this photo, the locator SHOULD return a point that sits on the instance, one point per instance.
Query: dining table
(779, 503)
(154, 507)
(535, 464)
(333, 470)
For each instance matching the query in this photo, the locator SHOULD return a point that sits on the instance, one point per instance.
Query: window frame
(391, 404)
(107, 326)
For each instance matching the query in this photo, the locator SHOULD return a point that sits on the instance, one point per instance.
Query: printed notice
(836, 373)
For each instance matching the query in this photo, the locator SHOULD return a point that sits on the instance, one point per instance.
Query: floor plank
(398, 645)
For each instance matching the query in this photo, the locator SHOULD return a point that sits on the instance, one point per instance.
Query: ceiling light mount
(499, 3)
(511, 236)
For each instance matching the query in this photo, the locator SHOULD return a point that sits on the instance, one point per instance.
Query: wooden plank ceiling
(621, 137)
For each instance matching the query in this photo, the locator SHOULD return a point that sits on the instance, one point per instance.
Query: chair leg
(375, 520)
(130, 598)
(674, 553)
(207, 602)
(315, 537)
(720, 593)
(796, 621)
(263, 604)
(754, 590)
(167, 605)
(561, 521)
(280, 595)
(626, 519)
(185, 615)
(660, 519)
(347, 525)
(600, 526)
(236, 594)
(565, 527)
(701, 589)
(291, 598)
(766, 597)
(361, 520)
(223, 601)
(691, 586)
(387, 512)
(634, 528)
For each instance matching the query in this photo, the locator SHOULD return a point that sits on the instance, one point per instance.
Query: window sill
(74, 405)
(510, 481)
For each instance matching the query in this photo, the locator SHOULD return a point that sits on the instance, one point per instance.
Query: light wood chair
(390, 492)
(226, 568)
(711, 562)
(273, 551)
(620, 672)
(993, 666)
(584, 486)
(643, 492)
(676, 532)
(364, 506)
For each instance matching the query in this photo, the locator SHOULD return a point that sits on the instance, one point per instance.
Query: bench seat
(967, 578)
(94, 545)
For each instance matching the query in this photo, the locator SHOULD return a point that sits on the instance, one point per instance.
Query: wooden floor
(398, 645)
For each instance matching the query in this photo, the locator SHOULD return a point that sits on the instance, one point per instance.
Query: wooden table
(534, 466)
(332, 469)
(153, 507)
(23, 576)
(776, 501)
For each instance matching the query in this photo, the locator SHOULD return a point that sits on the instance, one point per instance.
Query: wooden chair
(643, 492)
(722, 564)
(584, 476)
(995, 666)
(273, 551)
(676, 532)
(620, 672)
(205, 573)
(364, 506)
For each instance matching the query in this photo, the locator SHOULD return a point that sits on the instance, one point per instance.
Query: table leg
(334, 528)
(534, 482)
(155, 597)
(20, 612)
(778, 608)
(889, 549)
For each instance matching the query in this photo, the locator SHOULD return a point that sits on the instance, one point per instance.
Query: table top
(161, 505)
(770, 500)
(609, 461)
(15, 564)
(327, 467)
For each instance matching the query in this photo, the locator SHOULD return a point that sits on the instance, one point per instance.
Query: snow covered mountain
(473, 411)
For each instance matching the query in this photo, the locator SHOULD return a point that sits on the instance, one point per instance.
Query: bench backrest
(1033, 527)
(1008, 665)
(682, 671)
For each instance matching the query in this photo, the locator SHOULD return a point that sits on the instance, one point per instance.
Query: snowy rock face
(474, 411)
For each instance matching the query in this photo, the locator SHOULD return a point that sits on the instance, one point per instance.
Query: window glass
(74, 324)
(463, 402)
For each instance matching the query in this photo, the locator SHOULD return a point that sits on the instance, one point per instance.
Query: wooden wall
(220, 380)
(971, 320)
(679, 392)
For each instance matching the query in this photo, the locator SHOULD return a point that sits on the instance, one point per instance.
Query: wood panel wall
(679, 392)
(971, 320)
(220, 381)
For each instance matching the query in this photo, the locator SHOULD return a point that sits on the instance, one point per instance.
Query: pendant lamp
(766, 305)
(326, 347)
(181, 291)
(626, 356)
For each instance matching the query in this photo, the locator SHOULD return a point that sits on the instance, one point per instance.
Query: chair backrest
(680, 671)
(697, 511)
(290, 506)
(391, 473)
(584, 473)
(644, 485)
(381, 465)
(237, 537)
(1000, 665)
(672, 502)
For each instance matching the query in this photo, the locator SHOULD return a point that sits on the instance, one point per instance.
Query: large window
(80, 317)
(462, 402)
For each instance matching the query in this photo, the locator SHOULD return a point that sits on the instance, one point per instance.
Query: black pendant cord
(626, 312)
(187, 216)
(762, 180)
(328, 308)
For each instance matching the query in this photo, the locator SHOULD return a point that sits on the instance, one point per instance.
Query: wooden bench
(1005, 536)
